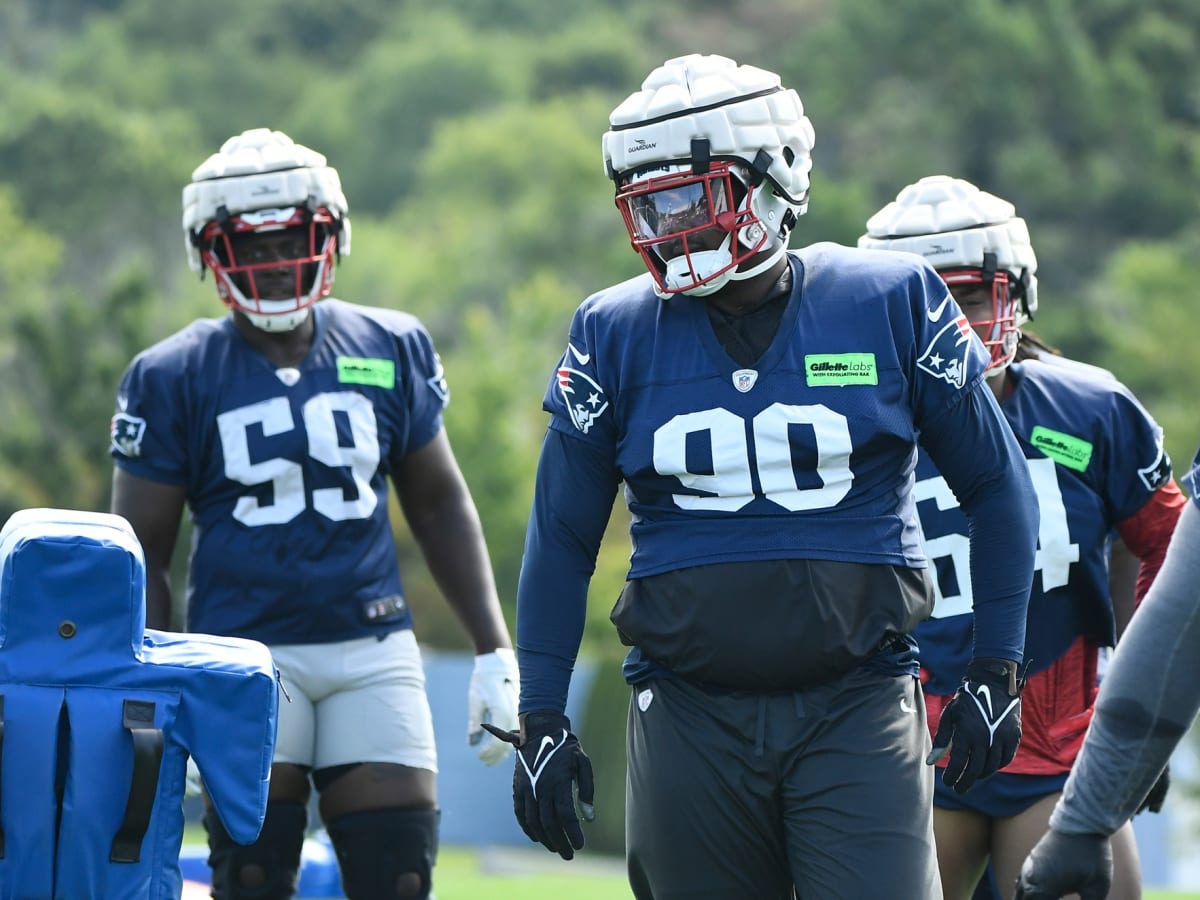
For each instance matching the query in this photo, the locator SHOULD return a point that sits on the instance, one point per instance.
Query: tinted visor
(663, 210)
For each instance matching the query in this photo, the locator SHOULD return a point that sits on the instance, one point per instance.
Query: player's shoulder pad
(194, 338)
(847, 278)
(632, 294)
(899, 264)
(344, 314)
(1084, 385)
(879, 270)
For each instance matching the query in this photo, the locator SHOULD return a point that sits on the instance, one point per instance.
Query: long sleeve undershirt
(1149, 698)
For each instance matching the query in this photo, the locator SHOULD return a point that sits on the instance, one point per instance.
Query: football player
(1147, 702)
(279, 427)
(762, 408)
(1098, 466)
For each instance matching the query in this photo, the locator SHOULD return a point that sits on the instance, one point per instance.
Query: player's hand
(551, 772)
(981, 725)
(1063, 864)
(492, 697)
(1158, 794)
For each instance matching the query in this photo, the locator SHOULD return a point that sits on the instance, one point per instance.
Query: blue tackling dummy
(98, 717)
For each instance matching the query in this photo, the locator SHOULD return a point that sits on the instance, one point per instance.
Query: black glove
(1158, 794)
(981, 725)
(551, 770)
(1063, 864)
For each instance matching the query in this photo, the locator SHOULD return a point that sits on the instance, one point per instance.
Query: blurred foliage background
(468, 140)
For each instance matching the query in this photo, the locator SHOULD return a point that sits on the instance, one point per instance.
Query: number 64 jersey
(1098, 466)
(285, 469)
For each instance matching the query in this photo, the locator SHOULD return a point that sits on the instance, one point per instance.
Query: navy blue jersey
(285, 469)
(1096, 457)
(808, 454)
(811, 450)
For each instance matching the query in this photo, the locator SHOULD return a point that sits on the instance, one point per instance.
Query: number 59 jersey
(809, 453)
(285, 469)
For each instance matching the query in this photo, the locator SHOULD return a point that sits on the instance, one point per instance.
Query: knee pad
(386, 854)
(269, 868)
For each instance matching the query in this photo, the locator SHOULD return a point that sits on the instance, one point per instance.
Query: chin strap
(718, 258)
(739, 275)
(279, 322)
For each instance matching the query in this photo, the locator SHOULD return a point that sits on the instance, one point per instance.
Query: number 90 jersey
(1095, 456)
(810, 453)
(285, 469)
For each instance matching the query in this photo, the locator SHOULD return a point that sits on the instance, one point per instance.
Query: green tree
(1142, 326)
(61, 356)
(468, 140)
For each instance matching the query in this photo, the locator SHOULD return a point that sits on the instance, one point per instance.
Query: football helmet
(710, 160)
(268, 217)
(970, 237)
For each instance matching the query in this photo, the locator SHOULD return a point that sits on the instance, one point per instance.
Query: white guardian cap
(970, 237)
(710, 161)
(262, 191)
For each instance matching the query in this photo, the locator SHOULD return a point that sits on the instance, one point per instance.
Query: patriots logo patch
(946, 355)
(127, 432)
(437, 383)
(584, 398)
(1157, 473)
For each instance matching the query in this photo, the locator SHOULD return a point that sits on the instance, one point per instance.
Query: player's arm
(1148, 699)
(573, 496)
(154, 509)
(1147, 702)
(1138, 486)
(974, 448)
(443, 518)
(1123, 568)
(1146, 534)
(575, 486)
(438, 507)
(1134, 562)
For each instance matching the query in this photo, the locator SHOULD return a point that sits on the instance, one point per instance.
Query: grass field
(464, 874)
(467, 874)
(506, 873)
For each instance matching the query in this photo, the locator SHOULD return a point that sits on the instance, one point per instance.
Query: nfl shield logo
(743, 379)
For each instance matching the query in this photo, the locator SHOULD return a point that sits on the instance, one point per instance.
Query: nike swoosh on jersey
(935, 314)
(582, 358)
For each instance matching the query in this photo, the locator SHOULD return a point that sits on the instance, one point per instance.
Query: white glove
(492, 698)
(193, 787)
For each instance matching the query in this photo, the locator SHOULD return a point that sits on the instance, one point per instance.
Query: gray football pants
(743, 796)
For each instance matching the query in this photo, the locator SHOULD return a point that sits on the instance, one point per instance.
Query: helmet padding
(955, 225)
(699, 110)
(262, 180)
